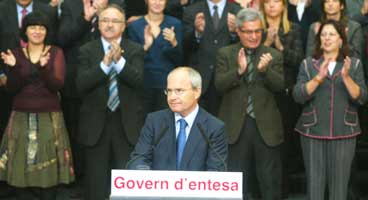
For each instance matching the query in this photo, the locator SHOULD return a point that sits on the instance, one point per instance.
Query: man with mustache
(108, 79)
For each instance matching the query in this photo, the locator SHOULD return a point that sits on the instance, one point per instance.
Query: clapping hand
(45, 56)
(169, 35)
(264, 61)
(242, 62)
(8, 58)
(346, 67)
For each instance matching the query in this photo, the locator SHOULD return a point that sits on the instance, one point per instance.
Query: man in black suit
(163, 145)
(78, 25)
(108, 80)
(208, 26)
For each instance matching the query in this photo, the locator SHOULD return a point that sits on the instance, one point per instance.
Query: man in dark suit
(78, 25)
(248, 75)
(208, 26)
(109, 79)
(184, 137)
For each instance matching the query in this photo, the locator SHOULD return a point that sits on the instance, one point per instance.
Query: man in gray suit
(248, 74)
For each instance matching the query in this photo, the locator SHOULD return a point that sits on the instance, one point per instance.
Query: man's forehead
(255, 24)
(111, 12)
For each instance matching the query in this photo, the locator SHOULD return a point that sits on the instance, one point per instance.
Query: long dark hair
(341, 30)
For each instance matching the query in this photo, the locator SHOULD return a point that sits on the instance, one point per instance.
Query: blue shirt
(29, 9)
(161, 58)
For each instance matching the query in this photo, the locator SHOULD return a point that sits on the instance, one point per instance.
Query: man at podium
(185, 136)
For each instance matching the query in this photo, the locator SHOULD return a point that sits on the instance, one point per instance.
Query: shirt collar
(106, 44)
(29, 8)
(189, 118)
(220, 6)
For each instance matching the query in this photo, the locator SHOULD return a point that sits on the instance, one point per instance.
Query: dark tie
(113, 101)
(180, 142)
(250, 77)
(215, 17)
(23, 44)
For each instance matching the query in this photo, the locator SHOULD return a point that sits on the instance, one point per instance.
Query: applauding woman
(35, 153)
(331, 87)
(161, 37)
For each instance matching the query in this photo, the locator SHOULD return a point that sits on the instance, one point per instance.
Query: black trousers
(111, 152)
(328, 164)
(251, 152)
(33, 193)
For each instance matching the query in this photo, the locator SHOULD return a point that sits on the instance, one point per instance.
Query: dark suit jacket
(73, 32)
(156, 146)
(92, 84)
(202, 55)
(236, 89)
(9, 28)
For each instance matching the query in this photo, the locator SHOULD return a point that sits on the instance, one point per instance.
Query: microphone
(201, 130)
(151, 148)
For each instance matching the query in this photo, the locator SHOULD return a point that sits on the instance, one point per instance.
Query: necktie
(23, 44)
(113, 101)
(249, 77)
(180, 142)
(215, 17)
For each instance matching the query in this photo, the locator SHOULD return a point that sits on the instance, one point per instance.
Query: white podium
(154, 184)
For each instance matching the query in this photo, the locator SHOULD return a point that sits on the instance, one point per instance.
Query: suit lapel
(13, 19)
(171, 147)
(208, 18)
(195, 137)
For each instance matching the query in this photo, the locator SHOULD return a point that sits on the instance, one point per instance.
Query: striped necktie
(180, 142)
(249, 78)
(113, 101)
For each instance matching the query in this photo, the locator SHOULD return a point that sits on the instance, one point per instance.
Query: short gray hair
(194, 76)
(247, 14)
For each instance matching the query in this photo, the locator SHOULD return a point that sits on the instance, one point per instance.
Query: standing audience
(35, 154)
(331, 87)
(248, 74)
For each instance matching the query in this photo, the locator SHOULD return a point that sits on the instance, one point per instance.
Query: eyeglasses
(250, 32)
(178, 92)
(114, 21)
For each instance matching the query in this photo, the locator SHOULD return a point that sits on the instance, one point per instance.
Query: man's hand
(89, 10)
(199, 23)
(242, 62)
(231, 22)
(264, 61)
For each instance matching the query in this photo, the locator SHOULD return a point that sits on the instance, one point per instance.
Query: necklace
(28, 55)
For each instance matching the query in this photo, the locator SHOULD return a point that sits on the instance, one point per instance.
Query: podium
(155, 184)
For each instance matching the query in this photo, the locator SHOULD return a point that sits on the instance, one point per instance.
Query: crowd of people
(87, 86)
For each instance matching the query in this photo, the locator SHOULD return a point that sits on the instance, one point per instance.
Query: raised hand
(99, 5)
(271, 36)
(242, 62)
(231, 22)
(169, 35)
(45, 56)
(89, 10)
(116, 51)
(199, 23)
(148, 37)
(8, 58)
(264, 61)
(323, 69)
(346, 67)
